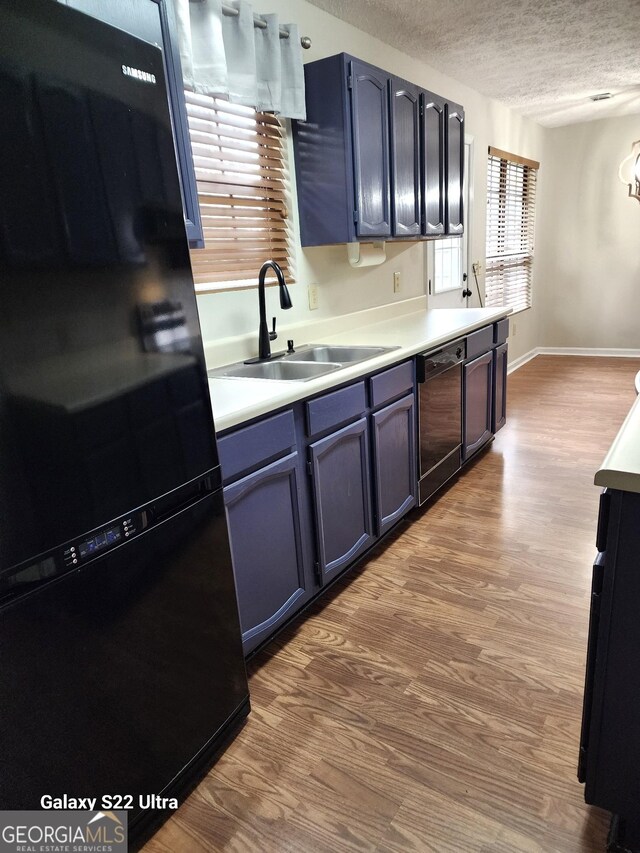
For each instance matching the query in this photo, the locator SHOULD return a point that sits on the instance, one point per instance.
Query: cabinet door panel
(342, 496)
(405, 159)
(370, 127)
(394, 452)
(266, 545)
(477, 383)
(433, 191)
(500, 387)
(455, 169)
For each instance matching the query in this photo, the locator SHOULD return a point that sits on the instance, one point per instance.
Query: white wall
(343, 289)
(588, 238)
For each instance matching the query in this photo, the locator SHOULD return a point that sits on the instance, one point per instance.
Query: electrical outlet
(476, 266)
(313, 297)
(396, 282)
(513, 330)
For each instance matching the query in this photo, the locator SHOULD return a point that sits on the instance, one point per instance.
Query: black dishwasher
(439, 375)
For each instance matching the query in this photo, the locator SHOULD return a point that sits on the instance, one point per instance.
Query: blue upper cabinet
(455, 168)
(405, 159)
(434, 168)
(375, 157)
(154, 22)
(181, 138)
(369, 103)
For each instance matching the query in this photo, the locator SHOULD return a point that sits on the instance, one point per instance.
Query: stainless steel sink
(282, 370)
(301, 365)
(342, 355)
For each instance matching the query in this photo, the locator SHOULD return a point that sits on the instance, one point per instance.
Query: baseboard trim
(518, 362)
(590, 352)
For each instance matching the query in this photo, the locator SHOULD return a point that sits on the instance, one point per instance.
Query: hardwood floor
(432, 702)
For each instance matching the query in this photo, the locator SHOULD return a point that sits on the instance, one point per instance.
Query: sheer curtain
(227, 56)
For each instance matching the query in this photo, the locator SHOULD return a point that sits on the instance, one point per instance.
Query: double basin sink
(301, 365)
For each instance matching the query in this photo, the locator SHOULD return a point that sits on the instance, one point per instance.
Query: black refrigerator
(121, 666)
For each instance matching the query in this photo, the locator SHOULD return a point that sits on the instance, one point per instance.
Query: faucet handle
(273, 334)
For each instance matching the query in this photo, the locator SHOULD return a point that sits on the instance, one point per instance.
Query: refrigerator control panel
(77, 553)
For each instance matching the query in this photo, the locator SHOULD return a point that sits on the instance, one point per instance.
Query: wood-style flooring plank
(432, 700)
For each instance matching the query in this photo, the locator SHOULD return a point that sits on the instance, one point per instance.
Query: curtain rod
(231, 12)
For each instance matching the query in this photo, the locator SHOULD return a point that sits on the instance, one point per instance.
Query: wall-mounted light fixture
(629, 171)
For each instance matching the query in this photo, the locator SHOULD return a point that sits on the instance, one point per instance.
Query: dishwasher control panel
(432, 363)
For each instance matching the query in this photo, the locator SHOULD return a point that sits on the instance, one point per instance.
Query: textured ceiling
(544, 59)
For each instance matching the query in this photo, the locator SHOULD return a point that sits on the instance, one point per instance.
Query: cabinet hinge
(309, 469)
(421, 109)
(316, 569)
(356, 216)
(350, 81)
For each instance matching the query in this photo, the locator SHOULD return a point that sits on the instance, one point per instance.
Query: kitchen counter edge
(238, 401)
(621, 466)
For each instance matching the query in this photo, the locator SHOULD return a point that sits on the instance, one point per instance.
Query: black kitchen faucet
(264, 335)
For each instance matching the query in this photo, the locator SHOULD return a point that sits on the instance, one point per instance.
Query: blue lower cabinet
(341, 487)
(500, 386)
(394, 459)
(300, 490)
(477, 409)
(263, 512)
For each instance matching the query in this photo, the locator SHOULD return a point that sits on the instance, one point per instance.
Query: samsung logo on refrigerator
(145, 76)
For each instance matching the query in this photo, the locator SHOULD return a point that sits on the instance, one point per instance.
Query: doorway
(447, 259)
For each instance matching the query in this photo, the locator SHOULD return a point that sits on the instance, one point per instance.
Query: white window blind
(511, 203)
(240, 166)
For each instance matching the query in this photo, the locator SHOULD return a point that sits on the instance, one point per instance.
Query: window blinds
(511, 201)
(239, 163)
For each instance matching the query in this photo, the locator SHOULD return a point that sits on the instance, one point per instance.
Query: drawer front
(501, 331)
(479, 342)
(391, 383)
(250, 447)
(337, 408)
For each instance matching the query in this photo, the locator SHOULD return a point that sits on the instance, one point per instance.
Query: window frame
(510, 230)
(232, 220)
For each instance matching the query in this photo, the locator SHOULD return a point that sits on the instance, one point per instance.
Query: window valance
(247, 60)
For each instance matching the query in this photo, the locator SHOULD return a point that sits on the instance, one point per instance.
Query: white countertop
(235, 401)
(621, 466)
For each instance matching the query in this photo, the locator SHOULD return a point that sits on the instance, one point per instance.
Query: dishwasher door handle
(433, 364)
